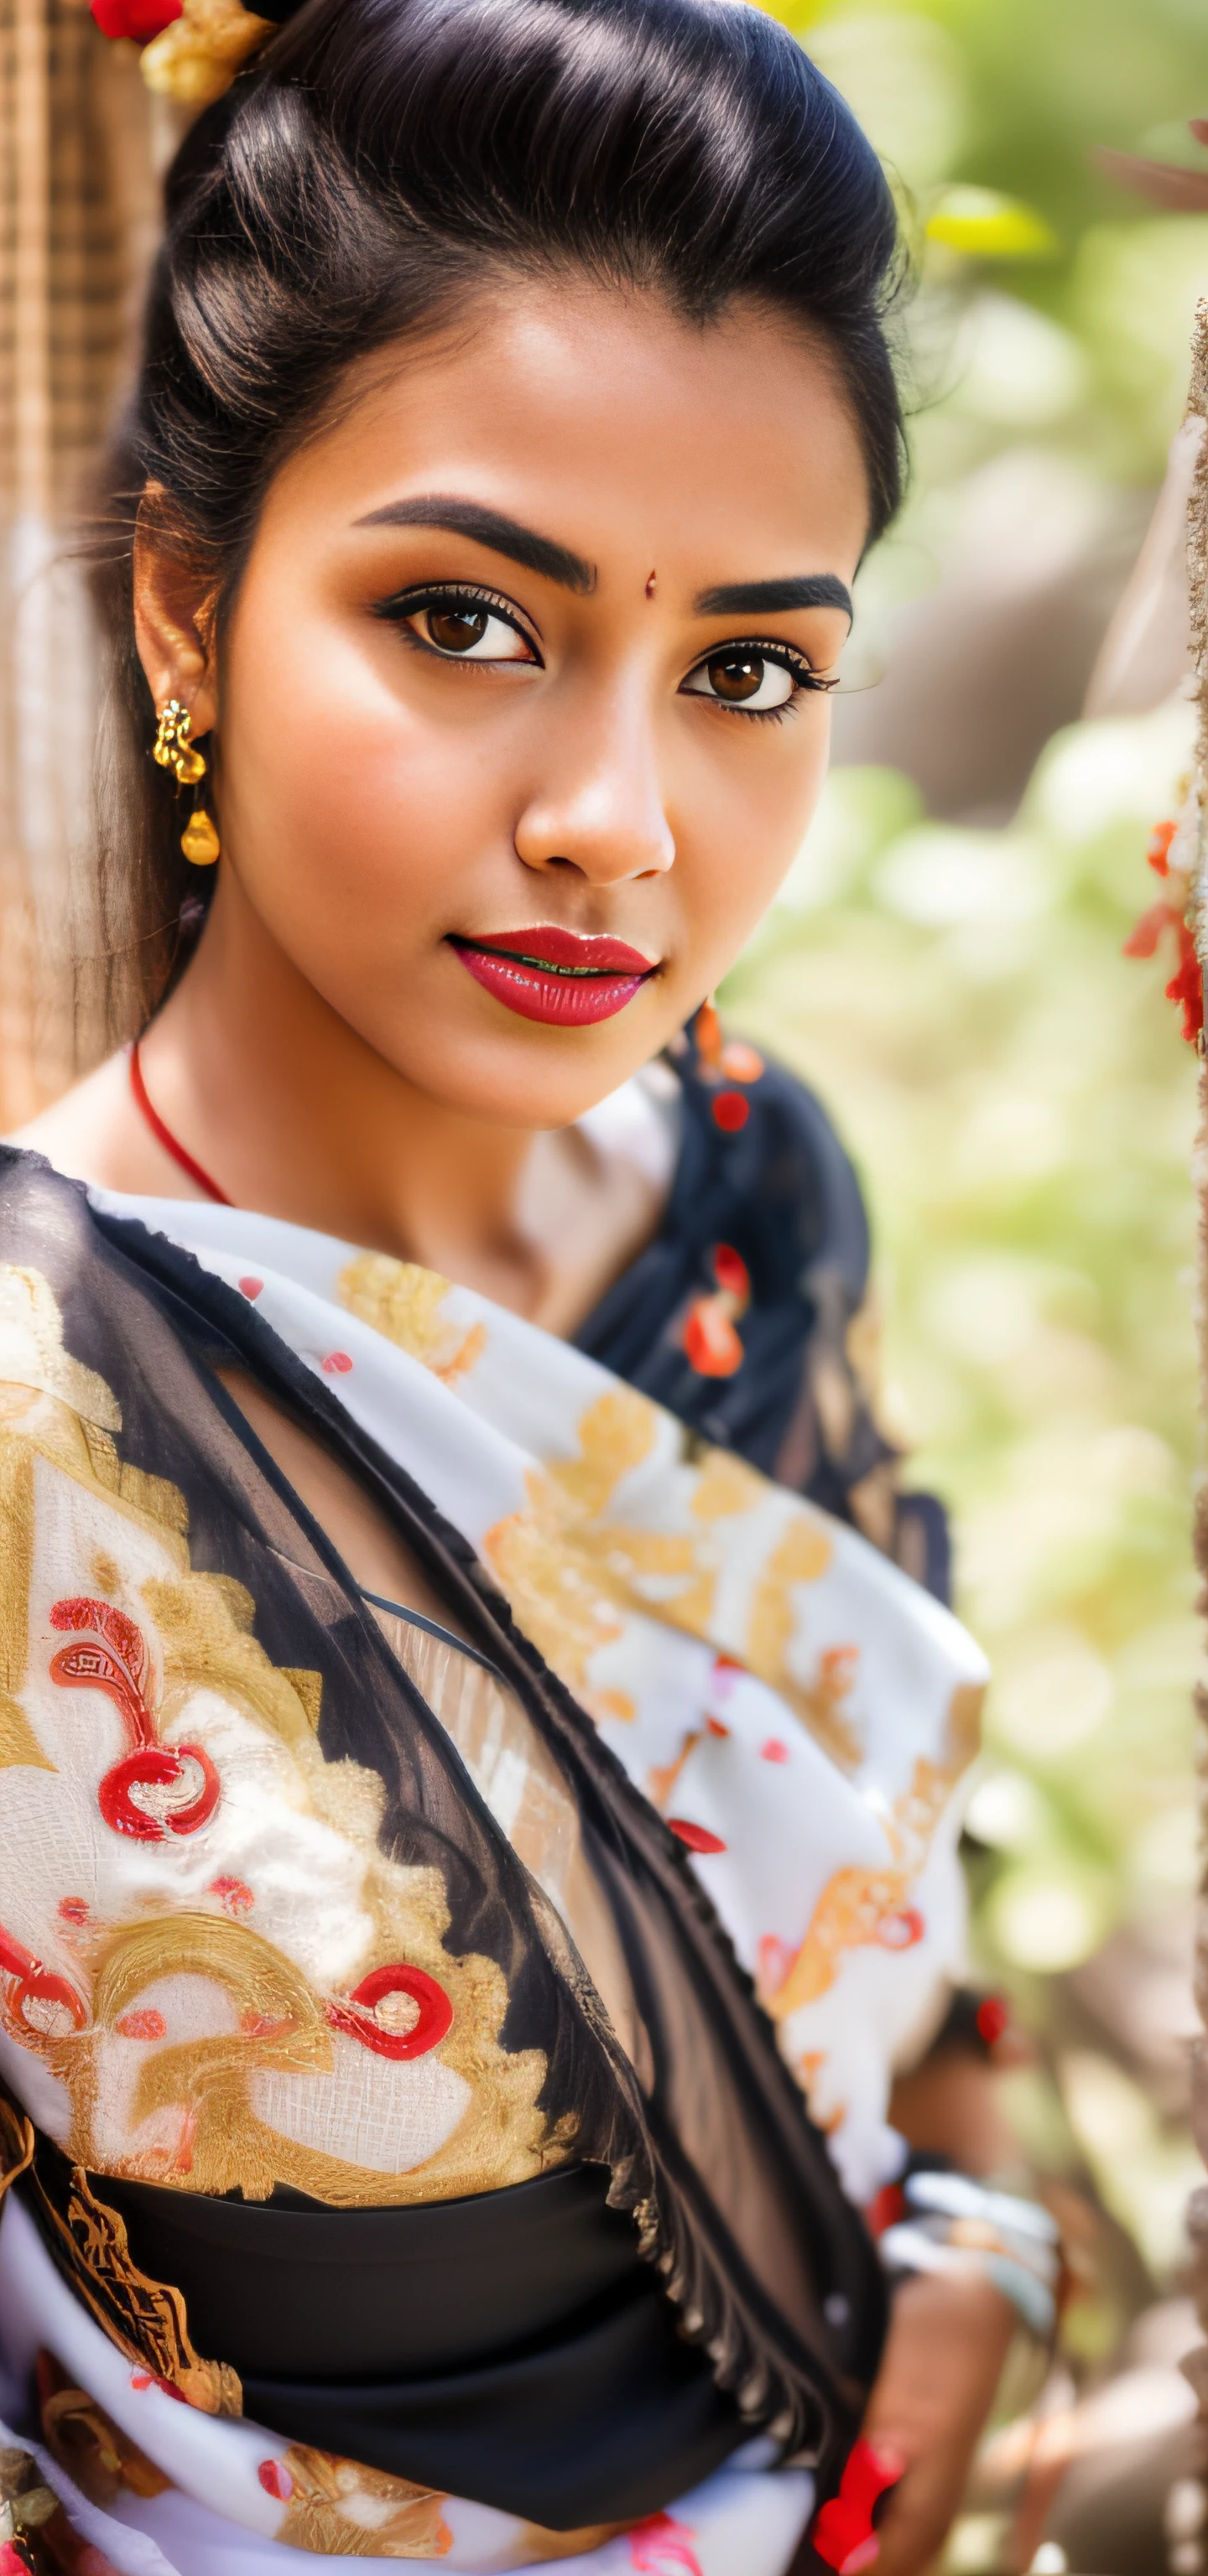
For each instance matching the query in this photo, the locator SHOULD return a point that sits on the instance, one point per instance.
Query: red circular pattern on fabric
(730, 1112)
(357, 2018)
(53, 1993)
(233, 1894)
(144, 2023)
(38, 1985)
(697, 1837)
(337, 1363)
(155, 1767)
(773, 1750)
(73, 1909)
(252, 1288)
(713, 1726)
(276, 2480)
(901, 1931)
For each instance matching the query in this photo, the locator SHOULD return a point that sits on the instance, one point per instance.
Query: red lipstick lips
(554, 975)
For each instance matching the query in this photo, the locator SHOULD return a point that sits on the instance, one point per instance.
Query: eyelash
(405, 604)
(411, 603)
(784, 658)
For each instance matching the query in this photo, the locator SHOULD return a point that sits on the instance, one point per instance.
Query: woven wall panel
(79, 146)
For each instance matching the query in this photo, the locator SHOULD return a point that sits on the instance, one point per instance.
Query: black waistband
(512, 2348)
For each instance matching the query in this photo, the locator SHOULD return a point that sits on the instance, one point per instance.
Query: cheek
(750, 827)
(343, 811)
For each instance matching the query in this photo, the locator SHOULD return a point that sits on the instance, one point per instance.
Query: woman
(416, 1735)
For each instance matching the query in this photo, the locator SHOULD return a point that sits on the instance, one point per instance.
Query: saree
(297, 1928)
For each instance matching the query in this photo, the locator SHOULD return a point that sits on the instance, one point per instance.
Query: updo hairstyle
(381, 163)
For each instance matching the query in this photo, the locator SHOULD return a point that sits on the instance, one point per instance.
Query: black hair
(368, 174)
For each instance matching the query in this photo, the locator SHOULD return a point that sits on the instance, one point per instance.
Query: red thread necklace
(164, 1136)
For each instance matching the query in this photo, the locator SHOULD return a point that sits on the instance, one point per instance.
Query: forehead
(607, 420)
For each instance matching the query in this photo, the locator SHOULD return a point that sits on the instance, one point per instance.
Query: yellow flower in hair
(196, 58)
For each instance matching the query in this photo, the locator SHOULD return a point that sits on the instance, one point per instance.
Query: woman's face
(518, 725)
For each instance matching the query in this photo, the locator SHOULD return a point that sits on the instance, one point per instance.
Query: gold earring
(173, 750)
(199, 839)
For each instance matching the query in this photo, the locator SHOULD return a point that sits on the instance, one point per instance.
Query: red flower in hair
(138, 19)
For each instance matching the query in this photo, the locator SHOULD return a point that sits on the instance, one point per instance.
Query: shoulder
(93, 1133)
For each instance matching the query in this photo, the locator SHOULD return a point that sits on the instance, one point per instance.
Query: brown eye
(457, 630)
(736, 677)
(744, 677)
(463, 629)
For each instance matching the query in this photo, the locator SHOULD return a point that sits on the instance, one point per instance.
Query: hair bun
(192, 49)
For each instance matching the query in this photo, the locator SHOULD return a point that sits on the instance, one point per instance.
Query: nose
(599, 808)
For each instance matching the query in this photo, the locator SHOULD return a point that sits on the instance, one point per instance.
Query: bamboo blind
(78, 152)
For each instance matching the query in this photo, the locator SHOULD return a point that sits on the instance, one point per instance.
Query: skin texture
(326, 1056)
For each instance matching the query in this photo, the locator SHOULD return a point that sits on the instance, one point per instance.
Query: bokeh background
(945, 963)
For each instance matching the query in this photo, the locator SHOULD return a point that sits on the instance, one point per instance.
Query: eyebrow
(488, 528)
(763, 598)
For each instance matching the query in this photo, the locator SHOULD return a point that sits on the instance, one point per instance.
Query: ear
(173, 617)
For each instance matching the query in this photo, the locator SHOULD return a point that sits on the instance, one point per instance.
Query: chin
(544, 1080)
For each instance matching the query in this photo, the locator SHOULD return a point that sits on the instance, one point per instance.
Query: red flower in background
(1186, 986)
(140, 20)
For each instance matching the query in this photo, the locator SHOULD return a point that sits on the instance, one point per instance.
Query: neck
(293, 1113)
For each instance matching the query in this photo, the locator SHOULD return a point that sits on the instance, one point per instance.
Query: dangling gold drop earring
(173, 750)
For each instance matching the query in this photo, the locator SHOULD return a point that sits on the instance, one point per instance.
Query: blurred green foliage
(1016, 96)
(1021, 1105)
(1016, 1093)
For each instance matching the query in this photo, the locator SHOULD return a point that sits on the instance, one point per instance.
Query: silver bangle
(959, 2227)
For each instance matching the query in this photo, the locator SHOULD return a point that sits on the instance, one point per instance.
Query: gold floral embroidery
(567, 1569)
(801, 1556)
(964, 1725)
(85, 2441)
(32, 1353)
(561, 1564)
(18, 1743)
(539, 2547)
(725, 1486)
(27, 2506)
(851, 1911)
(342, 2510)
(145, 2318)
(200, 2094)
(263, 2075)
(16, 2143)
(404, 1304)
(862, 1905)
